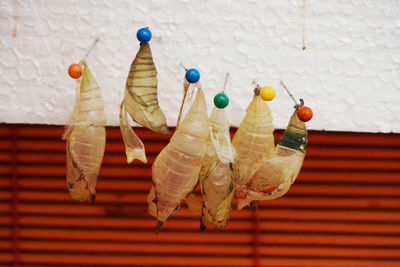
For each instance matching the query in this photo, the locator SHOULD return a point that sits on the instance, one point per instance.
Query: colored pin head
(192, 75)
(75, 71)
(305, 113)
(267, 93)
(144, 35)
(221, 100)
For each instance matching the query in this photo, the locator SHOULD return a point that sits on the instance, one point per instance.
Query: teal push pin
(221, 100)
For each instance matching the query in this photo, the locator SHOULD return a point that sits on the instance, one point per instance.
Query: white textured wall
(349, 74)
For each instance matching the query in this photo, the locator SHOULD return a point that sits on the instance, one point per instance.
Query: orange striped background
(343, 210)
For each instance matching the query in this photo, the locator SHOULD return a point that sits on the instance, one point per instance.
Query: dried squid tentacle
(141, 92)
(176, 169)
(134, 147)
(275, 176)
(253, 141)
(216, 176)
(86, 140)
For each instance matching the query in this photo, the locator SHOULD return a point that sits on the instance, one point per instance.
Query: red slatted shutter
(343, 210)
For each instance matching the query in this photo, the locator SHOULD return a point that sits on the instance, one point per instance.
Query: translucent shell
(141, 102)
(141, 92)
(175, 171)
(253, 141)
(275, 176)
(220, 135)
(86, 139)
(216, 177)
(134, 147)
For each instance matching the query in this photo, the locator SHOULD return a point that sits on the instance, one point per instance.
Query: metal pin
(297, 105)
(226, 81)
(256, 84)
(181, 65)
(287, 91)
(91, 48)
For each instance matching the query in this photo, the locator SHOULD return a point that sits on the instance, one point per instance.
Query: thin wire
(255, 83)
(287, 91)
(180, 64)
(91, 48)
(226, 81)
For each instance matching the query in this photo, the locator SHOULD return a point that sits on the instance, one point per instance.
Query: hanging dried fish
(217, 182)
(141, 102)
(176, 169)
(275, 176)
(253, 142)
(86, 137)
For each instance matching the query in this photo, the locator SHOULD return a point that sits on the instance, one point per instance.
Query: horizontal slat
(44, 151)
(325, 262)
(192, 238)
(210, 250)
(115, 236)
(311, 201)
(282, 213)
(136, 248)
(175, 260)
(337, 176)
(143, 185)
(269, 225)
(343, 209)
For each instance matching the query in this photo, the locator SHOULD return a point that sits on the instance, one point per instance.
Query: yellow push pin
(267, 93)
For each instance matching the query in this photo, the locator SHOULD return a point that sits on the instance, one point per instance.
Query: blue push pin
(144, 35)
(192, 75)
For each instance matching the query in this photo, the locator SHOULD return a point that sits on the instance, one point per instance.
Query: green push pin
(221, 100)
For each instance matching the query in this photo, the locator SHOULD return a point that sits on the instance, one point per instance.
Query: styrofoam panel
(349, 72)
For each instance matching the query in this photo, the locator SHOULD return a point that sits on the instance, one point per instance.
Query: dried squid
(176, 169)
(275, 176)
(86, 137)
(140, 101)
(253, 142)
(216, 178)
